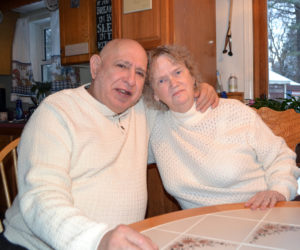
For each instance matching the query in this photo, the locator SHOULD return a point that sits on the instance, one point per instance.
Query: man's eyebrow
(130, 64)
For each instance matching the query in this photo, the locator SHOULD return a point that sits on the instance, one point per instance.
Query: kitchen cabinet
(77, 31)
(7, 29)
(191, 23)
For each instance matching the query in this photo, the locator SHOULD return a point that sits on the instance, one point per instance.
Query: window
(47, 43)
(40, 38)
(276, 74)
(46, 63)
(284, 48)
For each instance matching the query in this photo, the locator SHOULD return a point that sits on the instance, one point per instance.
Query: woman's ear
(95, 62)
(156, 98)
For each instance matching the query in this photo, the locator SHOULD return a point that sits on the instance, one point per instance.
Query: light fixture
(51, 4)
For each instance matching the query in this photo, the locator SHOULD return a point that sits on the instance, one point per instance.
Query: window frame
(38, 21)
(260, 49)
(43, 60)
(46, 61)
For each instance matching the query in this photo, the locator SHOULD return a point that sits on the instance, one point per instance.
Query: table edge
(165, 218)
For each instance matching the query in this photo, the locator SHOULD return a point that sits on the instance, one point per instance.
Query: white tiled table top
(276, 228)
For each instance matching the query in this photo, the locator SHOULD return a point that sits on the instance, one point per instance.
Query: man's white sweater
(225, 155)
(81, 171)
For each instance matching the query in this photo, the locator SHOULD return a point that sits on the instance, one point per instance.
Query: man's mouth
(124, 92)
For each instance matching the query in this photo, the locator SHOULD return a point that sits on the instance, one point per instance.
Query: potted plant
(41, 90)
(279, 104)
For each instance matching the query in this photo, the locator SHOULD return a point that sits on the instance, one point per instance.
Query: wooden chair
(10, 149)
(283, 123)
(287, 125)
(159, 201)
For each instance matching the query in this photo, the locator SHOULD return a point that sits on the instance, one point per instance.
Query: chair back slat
(5, 185)
(10, 148)
(14, 155)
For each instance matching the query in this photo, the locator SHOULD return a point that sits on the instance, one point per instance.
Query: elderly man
(82, 160)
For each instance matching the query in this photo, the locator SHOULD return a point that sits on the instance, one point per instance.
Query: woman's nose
(173, 82)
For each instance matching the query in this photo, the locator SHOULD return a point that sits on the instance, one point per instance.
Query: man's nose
(131, 77)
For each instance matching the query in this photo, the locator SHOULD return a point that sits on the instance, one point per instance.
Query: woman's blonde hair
(177, 54)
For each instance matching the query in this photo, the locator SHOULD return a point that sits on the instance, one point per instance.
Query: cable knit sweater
(83, 173)
(225, 155)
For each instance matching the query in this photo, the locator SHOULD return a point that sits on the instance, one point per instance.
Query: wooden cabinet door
(7, 29)
(77, 31)
(191, 23)
(149, 27)
(195, 27)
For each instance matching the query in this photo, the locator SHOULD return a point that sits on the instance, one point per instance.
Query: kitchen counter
(13, 128)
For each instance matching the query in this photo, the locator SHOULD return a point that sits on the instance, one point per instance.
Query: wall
(241, 63)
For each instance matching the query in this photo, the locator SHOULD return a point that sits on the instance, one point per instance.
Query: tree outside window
(284, 48)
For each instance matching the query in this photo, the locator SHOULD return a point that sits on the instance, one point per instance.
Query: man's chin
(124, 106)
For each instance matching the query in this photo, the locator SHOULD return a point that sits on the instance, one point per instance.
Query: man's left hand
(206, 97)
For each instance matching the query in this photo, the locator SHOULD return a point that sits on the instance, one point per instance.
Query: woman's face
(172, 84)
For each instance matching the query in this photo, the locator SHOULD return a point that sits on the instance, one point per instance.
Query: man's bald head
(118, 74)
(119, 44)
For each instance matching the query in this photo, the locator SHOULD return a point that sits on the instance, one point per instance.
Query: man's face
(120, 76)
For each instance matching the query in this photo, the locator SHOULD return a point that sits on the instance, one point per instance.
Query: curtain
(63, 77)
(22, 76)
(26, 66)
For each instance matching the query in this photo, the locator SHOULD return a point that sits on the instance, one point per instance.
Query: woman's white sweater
(225, 155)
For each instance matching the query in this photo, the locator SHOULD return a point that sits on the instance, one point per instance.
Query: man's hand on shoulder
(206, 97)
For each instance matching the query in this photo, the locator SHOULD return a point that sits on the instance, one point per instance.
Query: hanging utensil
(228, 39)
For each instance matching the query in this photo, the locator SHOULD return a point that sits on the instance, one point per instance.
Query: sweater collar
(191, 116)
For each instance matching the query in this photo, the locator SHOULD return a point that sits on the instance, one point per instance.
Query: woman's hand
(124, 237)
(206, 96)
(264, 200)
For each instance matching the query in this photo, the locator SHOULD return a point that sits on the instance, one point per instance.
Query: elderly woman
(224, 155)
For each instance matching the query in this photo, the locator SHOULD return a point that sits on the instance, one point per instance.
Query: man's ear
(95, 62)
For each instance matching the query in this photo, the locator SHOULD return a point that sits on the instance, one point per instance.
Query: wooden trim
(117, 10)
(260, 48)
(248, 49)
(165, 218)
